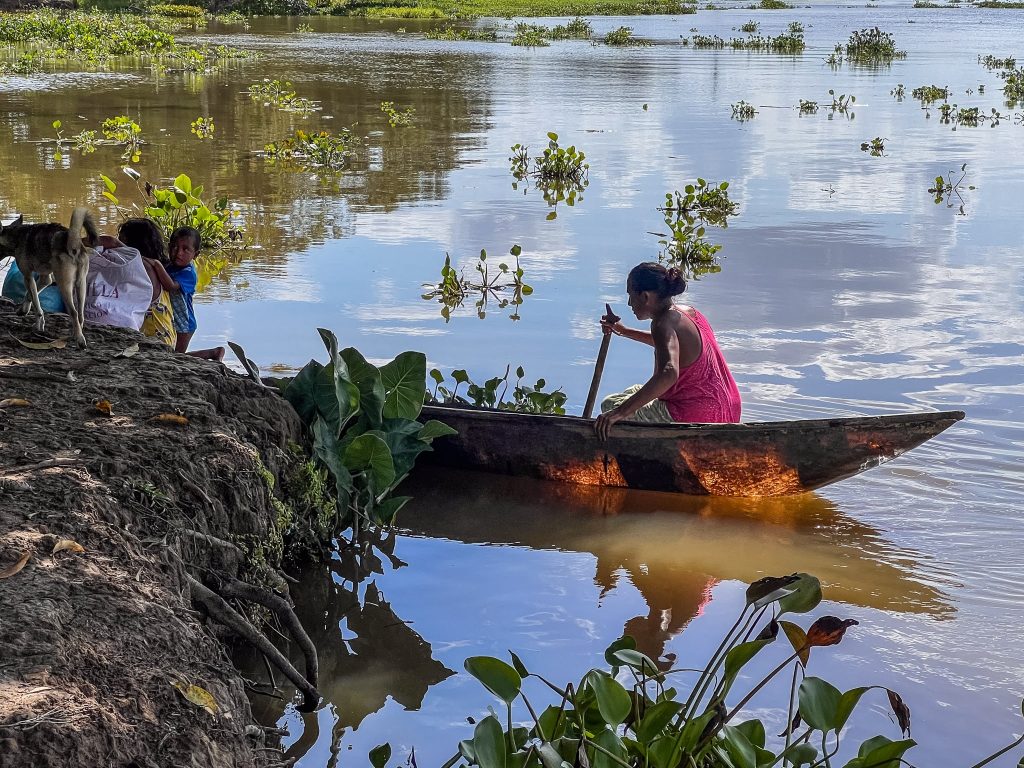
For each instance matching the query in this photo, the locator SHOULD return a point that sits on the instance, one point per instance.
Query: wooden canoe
(753, 459)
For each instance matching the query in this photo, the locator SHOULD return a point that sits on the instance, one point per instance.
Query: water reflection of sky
(844, 290)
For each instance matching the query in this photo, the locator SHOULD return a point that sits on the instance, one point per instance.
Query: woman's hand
(109, 241)
(604, 422)
(610, 326)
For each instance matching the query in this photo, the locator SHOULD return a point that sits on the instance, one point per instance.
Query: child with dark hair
(144, 236)
(179, 279)
(691, 381)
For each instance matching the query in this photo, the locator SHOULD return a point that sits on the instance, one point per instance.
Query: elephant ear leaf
(368, 381)
(405, 381)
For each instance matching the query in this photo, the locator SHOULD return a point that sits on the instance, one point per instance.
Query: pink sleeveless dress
(705, 391)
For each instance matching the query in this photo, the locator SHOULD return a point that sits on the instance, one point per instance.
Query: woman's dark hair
(190, 232)
(651, 276)
(144, 236)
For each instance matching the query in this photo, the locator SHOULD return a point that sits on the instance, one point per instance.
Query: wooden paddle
(595, 384)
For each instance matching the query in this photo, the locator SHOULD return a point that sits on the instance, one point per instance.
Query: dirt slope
(91, 643)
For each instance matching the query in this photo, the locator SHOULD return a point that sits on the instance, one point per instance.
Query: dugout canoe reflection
(674, 548)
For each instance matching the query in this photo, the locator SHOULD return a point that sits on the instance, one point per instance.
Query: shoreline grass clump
(622, 37)
(80, 39)
(872, 47)
(770, 5)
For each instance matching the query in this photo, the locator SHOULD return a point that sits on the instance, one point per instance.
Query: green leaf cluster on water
(790, 42)
(927, 94)
(362, 420)
(623, 38)
(58, 37)
(687, 215)
(872, 47)
(454, 288)
(280, 94)
(452, 33)
(397, 117)
(525, 399)
(560, 173)
(319, 150)
(503, 8)
(636, 713)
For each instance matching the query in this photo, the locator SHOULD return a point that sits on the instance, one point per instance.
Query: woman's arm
(167, 282)
(666, 373)
(630, 333)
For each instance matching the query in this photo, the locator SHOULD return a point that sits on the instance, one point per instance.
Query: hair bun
(674, 281)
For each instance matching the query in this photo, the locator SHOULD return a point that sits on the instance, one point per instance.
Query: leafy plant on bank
(455, 288)
(560, 173)
(321, 150)
(623, 38)
(362, 420)
(395, 116)
(178, 11)
(178, 205)
(687, 215)
(634, 714)
(525, 399)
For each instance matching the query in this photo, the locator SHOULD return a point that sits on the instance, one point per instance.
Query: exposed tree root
(218, 609)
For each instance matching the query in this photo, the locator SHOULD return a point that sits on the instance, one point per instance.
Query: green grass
(998, 4)
(507, 8)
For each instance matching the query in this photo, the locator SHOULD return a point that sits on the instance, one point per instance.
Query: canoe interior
(752, 459)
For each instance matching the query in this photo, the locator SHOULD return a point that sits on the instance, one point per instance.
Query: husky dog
(57, 254)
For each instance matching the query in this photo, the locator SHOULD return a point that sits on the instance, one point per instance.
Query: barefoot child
(179, 279)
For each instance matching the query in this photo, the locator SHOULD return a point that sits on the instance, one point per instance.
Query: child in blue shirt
(179, 278)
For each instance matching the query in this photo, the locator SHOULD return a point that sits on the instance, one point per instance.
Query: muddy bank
(94, 643)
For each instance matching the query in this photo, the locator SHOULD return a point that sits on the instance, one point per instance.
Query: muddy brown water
(845, 290)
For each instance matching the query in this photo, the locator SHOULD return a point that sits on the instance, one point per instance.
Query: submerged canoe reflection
(673, 549)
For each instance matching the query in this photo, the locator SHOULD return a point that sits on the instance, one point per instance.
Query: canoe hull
(755, 459)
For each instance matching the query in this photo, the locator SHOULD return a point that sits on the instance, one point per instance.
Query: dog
(57, 254)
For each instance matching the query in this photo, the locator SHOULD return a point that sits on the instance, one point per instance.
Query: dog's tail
(80, 219)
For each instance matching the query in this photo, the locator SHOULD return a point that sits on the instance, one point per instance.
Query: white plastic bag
(118, 289)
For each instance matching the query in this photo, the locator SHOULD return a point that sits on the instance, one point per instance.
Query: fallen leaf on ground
(8, 572)
(128, 351)
(55, 344)
(67, 544)
(198, 696)
(104, 407)
(171, 419)
(14, 402)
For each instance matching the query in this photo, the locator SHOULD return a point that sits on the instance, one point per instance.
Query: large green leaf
(497, 677)
(736, 659)
(385, 512)
(739, 747)
(880, 752)
(610, 740)
(819, 703)
(624, 642)
(636, 660)
(301, 392)
(368, 381)
(402, 437)
(327, 449)
(847, 704)
(655, 719)
(754, 731)
(552, 722)
(489, 744)
(613, 701)
(405, 381)
(801, 754)
(434, 428)
(798, 639)
(806, 595)
(665, 752)
(370, 454)
(346, 393)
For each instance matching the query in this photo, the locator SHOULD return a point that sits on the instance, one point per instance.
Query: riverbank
(124, 524)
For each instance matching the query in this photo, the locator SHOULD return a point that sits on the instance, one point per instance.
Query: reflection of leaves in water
(505, 287)
(367, 653)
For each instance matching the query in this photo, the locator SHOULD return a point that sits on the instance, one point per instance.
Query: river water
(845, 290)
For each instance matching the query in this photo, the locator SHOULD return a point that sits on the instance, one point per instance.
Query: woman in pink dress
(691, 381)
